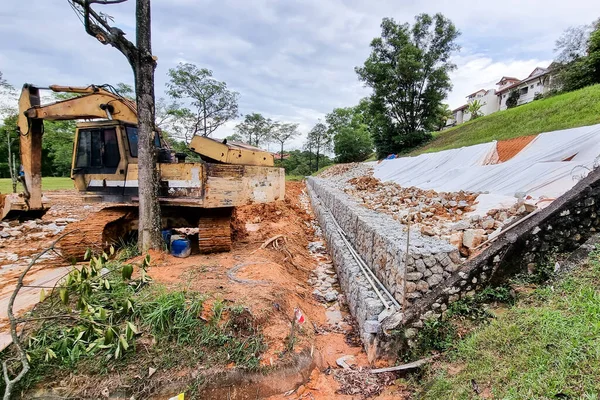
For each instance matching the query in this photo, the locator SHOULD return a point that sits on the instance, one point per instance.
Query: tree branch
(97, 27)
(13, 326)
(106, 1)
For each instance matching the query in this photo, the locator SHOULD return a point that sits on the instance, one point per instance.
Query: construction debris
(361, 382)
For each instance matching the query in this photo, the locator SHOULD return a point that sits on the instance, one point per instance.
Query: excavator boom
(94, 103)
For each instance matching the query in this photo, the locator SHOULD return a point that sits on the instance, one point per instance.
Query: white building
(538, 82)
(487, 98)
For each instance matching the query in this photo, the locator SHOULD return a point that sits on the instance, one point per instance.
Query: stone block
(473, 238)
(414, 276)
(420, 266)
(435, 279)
(371, 326)
(429, 261)
(437, 269)
(422, 286)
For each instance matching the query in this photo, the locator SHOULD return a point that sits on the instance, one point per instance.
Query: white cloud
(289, 60)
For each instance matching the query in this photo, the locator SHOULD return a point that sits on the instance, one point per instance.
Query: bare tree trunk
(281, 154)
(149, 236)
(205, 134)
(318, 149)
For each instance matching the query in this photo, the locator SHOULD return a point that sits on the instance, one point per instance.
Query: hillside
(544, 347)
(568, 110)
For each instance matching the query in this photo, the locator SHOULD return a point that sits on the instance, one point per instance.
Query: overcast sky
(289, 60)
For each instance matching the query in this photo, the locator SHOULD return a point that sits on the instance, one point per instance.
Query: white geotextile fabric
(539, 170)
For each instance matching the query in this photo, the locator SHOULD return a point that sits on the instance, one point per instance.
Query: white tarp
(539, 170)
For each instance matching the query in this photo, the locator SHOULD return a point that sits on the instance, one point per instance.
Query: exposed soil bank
(271, 281)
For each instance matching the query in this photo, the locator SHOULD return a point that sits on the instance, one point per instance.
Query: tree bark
(149, 236)
(318, 150)
(281, 154)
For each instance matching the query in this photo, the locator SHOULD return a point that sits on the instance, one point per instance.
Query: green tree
(212, 103)
(58, 148)
(319, 140)
(577, 63)
(594, 52)
(125, 90)
(255, 129)
(408, 70)
(351, 139)
(474, 108)
(513, 99)
(298, 162)
(8, 129)
(444, 114)
(282, 133)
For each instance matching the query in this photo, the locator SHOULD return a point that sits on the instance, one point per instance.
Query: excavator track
(97, 233)
(214, 233)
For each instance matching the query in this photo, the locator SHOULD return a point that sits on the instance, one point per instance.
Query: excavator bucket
(13, 206)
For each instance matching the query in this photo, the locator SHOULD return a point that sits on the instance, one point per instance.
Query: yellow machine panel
(231, 152)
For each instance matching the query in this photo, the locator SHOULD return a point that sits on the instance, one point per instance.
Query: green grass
(569, 110)
(294, 178)
(547, 346)
(48, 183)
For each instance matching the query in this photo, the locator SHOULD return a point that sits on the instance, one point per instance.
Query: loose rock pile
(447, 215)
(31, 230)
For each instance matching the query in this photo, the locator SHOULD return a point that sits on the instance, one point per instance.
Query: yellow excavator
(104, 169)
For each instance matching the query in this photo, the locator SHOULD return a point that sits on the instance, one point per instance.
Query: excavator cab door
(98, 161)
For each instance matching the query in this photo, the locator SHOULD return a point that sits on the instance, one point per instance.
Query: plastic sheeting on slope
(539, 170)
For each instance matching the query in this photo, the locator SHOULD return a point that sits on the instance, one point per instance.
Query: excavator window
(132, 138)
(97, 150)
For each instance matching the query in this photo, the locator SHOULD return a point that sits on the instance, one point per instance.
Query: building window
(531, 87)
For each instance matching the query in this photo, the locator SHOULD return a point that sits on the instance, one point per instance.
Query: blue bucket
(181, 248)
(166, 236)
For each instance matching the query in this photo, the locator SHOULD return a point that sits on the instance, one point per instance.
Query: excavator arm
(92, 102)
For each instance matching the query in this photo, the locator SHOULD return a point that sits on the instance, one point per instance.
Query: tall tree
(577, 63)
(282, 133)
(213, 104)
(143, 64)
(320, 140)
(255, 129)
(408, 70)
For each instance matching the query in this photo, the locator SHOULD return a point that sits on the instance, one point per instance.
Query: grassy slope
(544, 346)
(568, 110)
(49, 183)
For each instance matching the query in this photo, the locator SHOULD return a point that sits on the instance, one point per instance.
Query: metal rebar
(364, 266)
